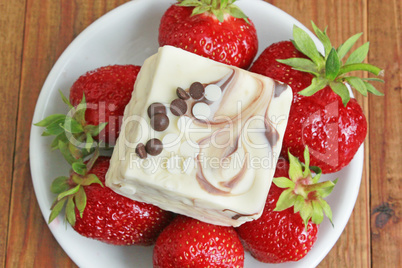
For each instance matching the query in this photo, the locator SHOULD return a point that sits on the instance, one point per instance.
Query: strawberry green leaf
(58, 206)
(360, 67)
(72, 126)
(89, 143)
(81, 200)
(79, 167)
(54, 129)
(59, 138)
(94, 130)
(325, 191)
(300, 64)
(283, 182)
(373, 79)
(65, 100)
(322, 36)
(190, 3)
(359, 54)
(345, 47)
(59, 185)
(285, 200)
(317, 83)
(214, 4)
(199, 10)
(330, 68)
(306, 165)
(75, 151)
(236, 12)
(299, 203)
(69, 192)
(317, 172)
(370, 88)
(63, 147)
(90, 179)
(77, 179)
(70, 211)
(340, 89)
(358, 84)
(303, 192)
(332, 65)
(327, 210)
(93, 159)
(318, 215)
(295, 168)
(307, 46)
(219, 14)
(79, 111)
(306, 213)
(50, 120)
(224, 4)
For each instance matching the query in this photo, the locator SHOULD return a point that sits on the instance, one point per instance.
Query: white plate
(128, 35)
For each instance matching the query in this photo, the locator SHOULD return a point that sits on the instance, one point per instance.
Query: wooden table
(35, 33)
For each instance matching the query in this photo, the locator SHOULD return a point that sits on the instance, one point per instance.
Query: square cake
(200, 138)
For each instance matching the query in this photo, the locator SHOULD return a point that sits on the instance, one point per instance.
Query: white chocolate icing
(220, 168)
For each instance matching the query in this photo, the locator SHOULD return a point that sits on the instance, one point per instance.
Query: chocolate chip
(140, 150)
(154, 147)
(178, 107)
(197, 90)
(159, 122)
(156, 108)
(182, 94)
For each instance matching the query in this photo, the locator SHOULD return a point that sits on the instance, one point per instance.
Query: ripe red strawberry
(97, 212)
(322, 115)
(332, 131)
(284, 233)
(107, 91)
(217, 30)
(98, 99)
(267, 64)
(187, 242)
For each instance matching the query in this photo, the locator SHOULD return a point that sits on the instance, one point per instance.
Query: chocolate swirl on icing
(220, 122)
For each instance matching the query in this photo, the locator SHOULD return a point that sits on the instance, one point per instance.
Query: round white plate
(128, 35)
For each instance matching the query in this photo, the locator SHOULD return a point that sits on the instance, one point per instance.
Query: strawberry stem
(329, 68)
(303, 191)
(317, 186)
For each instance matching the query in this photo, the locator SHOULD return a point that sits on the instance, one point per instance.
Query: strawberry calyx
(329, 68)
(303, 192)
(219, 8)
(73, 136)
(70, 190)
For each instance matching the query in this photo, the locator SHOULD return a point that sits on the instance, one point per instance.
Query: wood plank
(343, 18)
(385, 134)
(50, 26)
(11, 39)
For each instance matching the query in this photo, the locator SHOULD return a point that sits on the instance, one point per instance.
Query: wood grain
(384, 22)
(49, 27)
(35, 33)
(11, 42)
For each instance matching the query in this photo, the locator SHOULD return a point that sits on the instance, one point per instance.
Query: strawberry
(187, 242)
(322, 116)
(215, 29)
(95, 211)
(98, 99)
(107, 91)
(332, 131)
(287, 229)
(267, 64)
